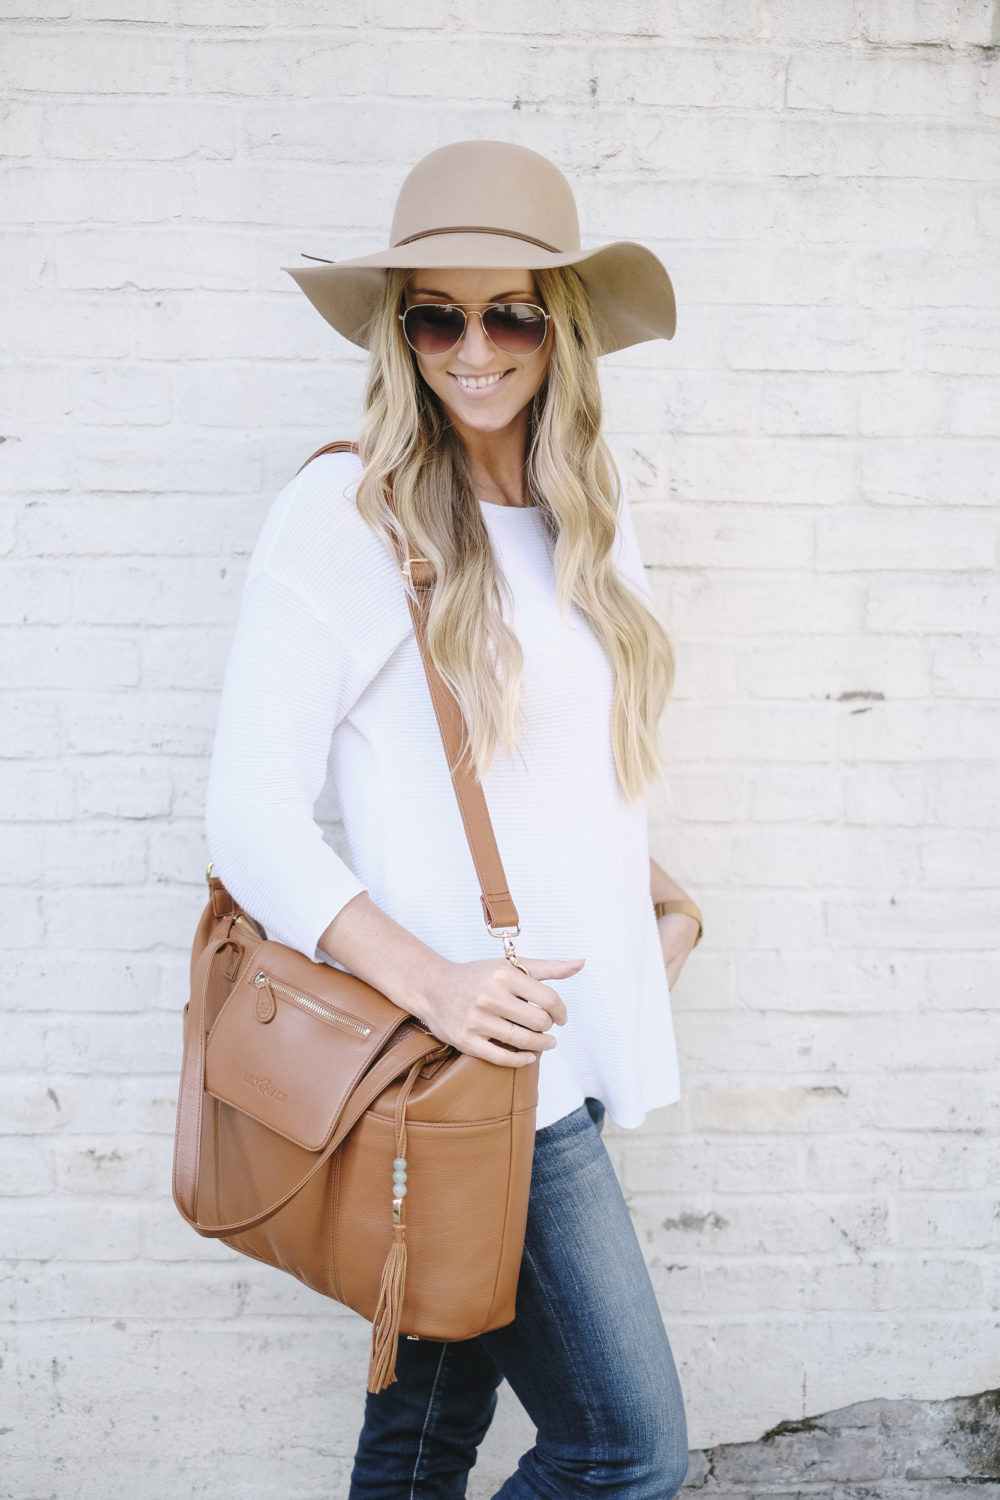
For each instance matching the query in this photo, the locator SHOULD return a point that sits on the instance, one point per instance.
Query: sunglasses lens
(433, 329)
(516, 327)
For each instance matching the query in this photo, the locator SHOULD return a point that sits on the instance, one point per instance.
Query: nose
(475, 348)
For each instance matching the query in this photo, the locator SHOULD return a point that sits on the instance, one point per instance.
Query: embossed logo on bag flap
(265, 1087)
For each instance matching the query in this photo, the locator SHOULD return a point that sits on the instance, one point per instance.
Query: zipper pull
(266, 1006)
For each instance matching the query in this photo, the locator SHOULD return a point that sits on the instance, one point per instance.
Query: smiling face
(482, 388)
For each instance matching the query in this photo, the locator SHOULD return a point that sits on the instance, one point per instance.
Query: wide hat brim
(631, 294)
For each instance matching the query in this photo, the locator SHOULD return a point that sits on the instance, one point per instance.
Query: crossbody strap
(499, 910)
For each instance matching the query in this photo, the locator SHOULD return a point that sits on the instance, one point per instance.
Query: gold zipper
(261, 979)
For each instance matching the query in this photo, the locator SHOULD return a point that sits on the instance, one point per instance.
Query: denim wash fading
(587, 1355)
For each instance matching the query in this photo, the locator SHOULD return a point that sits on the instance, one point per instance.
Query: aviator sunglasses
(436, 327)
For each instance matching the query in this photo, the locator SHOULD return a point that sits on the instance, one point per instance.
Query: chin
(482, 420)
(487, 422)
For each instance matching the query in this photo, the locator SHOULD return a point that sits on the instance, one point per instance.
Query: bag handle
(187, 1154)
(499, 910)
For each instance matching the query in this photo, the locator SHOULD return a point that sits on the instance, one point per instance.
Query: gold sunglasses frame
(478, 308)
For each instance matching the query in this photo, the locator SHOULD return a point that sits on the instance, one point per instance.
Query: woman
(482, 443)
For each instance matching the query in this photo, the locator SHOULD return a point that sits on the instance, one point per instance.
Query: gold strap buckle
(405, 569)
(502, 931)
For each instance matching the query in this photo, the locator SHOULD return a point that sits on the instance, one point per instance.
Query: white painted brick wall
(814, 473)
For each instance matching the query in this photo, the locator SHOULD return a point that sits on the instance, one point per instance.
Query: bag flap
(292, 1041)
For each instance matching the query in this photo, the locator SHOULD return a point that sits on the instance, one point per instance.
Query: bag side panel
(522, 1150)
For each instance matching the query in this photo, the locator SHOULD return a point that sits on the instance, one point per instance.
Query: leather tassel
(385, 1324)
(389, 1307)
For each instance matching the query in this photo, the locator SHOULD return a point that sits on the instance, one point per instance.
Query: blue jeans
(587, 1356)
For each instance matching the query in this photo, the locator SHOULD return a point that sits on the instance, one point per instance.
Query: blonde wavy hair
(417, 482)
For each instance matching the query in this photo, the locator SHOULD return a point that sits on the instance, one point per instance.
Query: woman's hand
(486, 1007)
(678, 933)
(489, 1009)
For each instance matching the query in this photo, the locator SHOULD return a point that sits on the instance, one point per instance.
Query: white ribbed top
(325, 678)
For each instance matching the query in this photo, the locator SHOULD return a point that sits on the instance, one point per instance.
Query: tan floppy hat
(486, 204)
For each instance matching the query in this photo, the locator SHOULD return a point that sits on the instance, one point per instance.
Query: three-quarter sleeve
(322, 610)
(289, 681)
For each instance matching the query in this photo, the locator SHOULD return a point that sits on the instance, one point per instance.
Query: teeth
(474, 383)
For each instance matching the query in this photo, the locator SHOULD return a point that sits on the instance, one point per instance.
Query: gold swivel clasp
(508, 934)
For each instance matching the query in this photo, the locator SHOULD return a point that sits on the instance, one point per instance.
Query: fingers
(490, 1050)
(512, 1024)
(527, 1038)
(507, 1057)
(503, 1013)
(492, 1030)
(519, 1026)
(529, 987)
(506, 1010)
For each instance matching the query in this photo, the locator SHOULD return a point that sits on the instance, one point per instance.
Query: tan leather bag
(325, 1131)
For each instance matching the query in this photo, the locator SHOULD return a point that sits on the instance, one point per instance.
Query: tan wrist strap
(686, 908)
